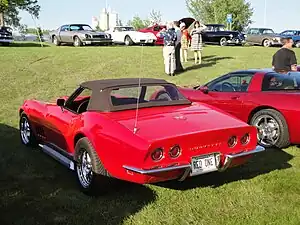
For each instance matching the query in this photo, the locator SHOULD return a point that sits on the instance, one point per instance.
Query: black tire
(55, 41)
(223, 41)
(28, 139)
(128, 41)
(284, 138)
(99, 181)
(77, 42)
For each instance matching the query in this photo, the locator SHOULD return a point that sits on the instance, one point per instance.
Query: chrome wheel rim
(266, 43)
(298, 45)
(76, 42)
(55, 40)
(25, 130)
(84, 169)
(268, 130)
(126, 41)
(223, 41)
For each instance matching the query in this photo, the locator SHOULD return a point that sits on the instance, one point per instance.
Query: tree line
(206, 11)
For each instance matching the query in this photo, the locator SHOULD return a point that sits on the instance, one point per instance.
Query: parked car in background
(263, 36)
(294, 34)
(260, 97)
(6, 35)
(78, 35)
(109, 129)
(217, 34)
(154, 30)
(129, 36)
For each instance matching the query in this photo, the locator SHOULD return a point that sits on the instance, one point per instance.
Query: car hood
(140, 35)
(174, 121)
(91, 32)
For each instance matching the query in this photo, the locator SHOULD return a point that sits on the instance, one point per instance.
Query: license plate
(203, 164)
(88, 42)
(150, 41)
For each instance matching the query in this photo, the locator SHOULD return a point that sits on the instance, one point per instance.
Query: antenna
(135, 128)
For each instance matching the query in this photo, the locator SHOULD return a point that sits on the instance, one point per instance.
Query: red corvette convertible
(154, 30)
(138, 130)
(262, 98)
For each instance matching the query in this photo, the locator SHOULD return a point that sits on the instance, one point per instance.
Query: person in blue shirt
(170, 37)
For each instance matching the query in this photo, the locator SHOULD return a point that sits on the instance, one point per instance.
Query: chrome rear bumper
(187, 167)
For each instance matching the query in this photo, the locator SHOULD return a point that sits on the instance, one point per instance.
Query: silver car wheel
(25, 130)
(268, 130)
(298, 44)
(267, 43)
(223, 41)
(84, 169)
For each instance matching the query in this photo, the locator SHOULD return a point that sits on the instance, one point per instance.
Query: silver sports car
(78, 35)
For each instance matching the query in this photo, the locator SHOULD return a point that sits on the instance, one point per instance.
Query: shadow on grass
(28, 44)
(207, 61)
(262, 163)
(35, 189)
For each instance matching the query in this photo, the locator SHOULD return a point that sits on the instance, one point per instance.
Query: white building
(108, 19)
(95, 22)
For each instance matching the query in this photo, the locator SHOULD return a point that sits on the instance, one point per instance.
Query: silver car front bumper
(228, 160)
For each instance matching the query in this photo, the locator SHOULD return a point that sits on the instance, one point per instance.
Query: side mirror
(204, 89)
(60, 102)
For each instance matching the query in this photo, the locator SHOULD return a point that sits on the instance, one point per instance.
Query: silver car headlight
(231, 35)
(87, 36)
(108, 36)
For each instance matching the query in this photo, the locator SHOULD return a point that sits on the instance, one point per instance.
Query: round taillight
(157, 154)
(175, 151)
(245, 139)
(232, 141)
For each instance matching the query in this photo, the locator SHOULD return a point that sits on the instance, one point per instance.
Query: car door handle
(235, 97)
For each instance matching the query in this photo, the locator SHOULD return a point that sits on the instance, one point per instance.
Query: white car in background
(128, 35)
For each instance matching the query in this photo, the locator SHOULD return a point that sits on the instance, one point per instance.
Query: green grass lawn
(35, 189)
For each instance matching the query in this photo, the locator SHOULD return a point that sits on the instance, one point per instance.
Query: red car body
(247, 93)
(137, 144)
(155, 29)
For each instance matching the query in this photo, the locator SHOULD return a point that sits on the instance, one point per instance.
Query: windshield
(215, 28)
(76, 27)
(120, 29)
(278, 82)
(148, 96)
(268, 31)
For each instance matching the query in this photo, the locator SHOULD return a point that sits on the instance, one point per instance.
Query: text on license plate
(203, 164)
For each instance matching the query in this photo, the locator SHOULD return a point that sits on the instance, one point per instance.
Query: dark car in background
(294, 34)
(263, 36)
(217, 34)
(6, 36)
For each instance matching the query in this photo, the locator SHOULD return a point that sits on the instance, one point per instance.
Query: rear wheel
(92, 176)
(55, 41)
(272, 128)
(27, 136)
(297, 44)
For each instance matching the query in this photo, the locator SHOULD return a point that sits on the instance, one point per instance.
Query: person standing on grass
(196, 44)
(169, 36)
(179, 67)
(284, 60)
(185, 42)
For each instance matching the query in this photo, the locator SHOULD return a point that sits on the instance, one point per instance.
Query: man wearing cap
(169, 37)
(284, 60)
(179, 67)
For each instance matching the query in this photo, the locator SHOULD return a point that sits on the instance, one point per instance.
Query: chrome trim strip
(230, 157)
(59, 157)
(187, 167)
(141, 171)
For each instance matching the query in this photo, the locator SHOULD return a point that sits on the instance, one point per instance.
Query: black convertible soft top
(101, 98)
